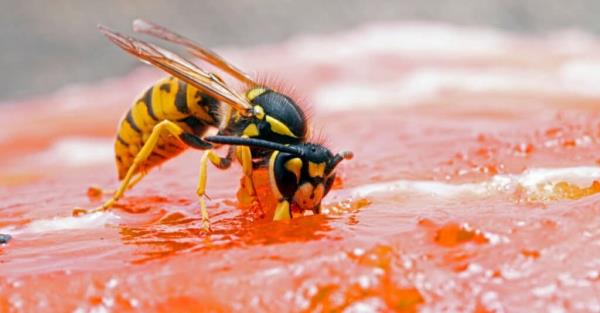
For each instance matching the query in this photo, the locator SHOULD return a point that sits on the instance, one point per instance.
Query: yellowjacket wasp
(263, 128)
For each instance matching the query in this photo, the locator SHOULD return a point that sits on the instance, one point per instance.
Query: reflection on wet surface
(464, 195)
(177, 232)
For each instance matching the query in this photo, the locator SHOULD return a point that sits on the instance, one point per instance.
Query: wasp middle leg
(97, 190)
(244, 155)
(217, 161)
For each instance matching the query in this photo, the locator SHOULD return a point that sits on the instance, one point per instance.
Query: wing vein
(196, 49)
(179, 67)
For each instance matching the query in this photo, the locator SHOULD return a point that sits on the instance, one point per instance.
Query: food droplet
(404, 300)
(94, 193)
(534, 254)
(452, 234)
(568, 143)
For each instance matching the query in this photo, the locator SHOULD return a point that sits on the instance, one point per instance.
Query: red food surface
(433, 114)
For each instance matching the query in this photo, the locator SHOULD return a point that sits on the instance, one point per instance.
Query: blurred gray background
(47, 44)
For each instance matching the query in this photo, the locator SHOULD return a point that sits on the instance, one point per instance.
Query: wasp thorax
(280, 118)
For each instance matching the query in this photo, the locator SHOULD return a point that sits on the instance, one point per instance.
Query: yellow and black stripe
(169, 99)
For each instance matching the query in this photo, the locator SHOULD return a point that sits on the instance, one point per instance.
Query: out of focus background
(48, 44)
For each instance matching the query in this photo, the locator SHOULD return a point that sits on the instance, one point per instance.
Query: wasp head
(301, 174)
(305, 178)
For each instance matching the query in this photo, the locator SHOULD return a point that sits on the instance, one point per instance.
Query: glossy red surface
(421, 247)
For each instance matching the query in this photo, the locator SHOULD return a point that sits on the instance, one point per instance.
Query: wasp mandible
(263, 128)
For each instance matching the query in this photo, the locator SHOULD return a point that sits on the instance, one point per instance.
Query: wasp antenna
(347, 155)
(253, 142)
(343, 155)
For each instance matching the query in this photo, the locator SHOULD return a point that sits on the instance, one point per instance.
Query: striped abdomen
(168, 99)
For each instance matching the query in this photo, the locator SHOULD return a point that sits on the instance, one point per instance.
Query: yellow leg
(142, 155)
(132, 184)
(134, 181)
(282, 212)
(245, 156)
(222, 163)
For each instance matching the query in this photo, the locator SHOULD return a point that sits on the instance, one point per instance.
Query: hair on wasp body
(261, 126)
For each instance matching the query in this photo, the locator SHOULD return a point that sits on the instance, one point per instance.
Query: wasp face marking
(316, 169)
(295, 166)
(309, 196)
(303, 180)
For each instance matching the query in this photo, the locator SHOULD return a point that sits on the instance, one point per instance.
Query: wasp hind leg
(97, 190)
(129, 180)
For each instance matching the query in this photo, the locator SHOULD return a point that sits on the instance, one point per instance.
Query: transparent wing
(205, 54)
(180, 68)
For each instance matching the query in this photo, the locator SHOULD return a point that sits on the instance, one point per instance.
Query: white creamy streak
(88, 221)
(533, 181)
(77, 152)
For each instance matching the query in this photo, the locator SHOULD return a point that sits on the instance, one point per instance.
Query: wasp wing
(180, 68)
(196, 49)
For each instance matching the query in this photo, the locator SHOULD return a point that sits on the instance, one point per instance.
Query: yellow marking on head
(294, 165)
(274, 188)
(279, 128)
(259, 111)
(255, 92)
(316, 169)
(308, 196)
(251, 130)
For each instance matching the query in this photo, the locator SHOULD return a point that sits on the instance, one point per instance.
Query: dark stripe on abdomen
(121, 140)
(129, 119)
(148, 102)
(197, 125)
(181, 98)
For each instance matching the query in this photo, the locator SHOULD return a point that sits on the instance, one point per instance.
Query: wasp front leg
(282, 211)
(245, 157)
